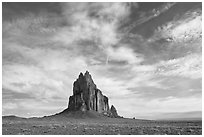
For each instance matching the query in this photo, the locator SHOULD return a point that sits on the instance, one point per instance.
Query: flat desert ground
(97, 126)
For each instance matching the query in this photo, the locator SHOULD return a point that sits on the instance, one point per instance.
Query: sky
(146, 57)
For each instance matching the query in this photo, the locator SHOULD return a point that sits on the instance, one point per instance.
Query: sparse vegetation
(98, 126)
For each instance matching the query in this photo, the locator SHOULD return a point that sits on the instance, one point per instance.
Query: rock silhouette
(86, 96)
(114, 112)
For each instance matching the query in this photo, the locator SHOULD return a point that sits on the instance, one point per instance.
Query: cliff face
(86, 96)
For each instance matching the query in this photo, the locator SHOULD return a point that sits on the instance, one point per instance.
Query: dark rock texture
(86, 96)
(114, 112)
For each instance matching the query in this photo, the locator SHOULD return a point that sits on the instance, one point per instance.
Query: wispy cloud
(146, 16)
(186, 29)
(188, 66)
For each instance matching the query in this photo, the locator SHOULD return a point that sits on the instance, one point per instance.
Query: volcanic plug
(87, 97)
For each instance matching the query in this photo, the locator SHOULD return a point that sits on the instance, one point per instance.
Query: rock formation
(114, 112)
(86, 96)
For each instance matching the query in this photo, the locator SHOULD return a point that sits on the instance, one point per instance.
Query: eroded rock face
(114, 111)
(86, 96)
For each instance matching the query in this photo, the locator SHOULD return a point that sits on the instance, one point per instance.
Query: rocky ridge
(87, 97)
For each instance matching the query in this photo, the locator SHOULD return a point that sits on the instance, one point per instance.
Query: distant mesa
(88, 98)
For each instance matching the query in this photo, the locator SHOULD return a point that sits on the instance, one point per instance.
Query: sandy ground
(104, 126)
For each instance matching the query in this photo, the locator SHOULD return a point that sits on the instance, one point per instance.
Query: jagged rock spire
(86, 96)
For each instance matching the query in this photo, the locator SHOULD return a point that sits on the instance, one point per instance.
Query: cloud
(93, 21)
(147, 16)
(149, 109)
(13, 95)
(45, 81)
(96, 22)
(29, 107)
(103, 11)
(34, 25)
(189, 66)
(186, 29)
(9, 106)
(123, 54)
